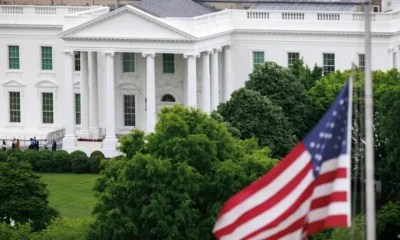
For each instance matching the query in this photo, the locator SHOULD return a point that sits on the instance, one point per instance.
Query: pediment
(126, 23)
(13, 83)
(46, 84)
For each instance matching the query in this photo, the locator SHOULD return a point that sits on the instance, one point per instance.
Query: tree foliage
(284, 89)
(256, 116)
(176, 180)
(23, 196)
(305, 75)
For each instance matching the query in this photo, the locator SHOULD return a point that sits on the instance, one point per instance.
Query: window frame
(9, 57)
(76, 110)
(124, 113)
(10, 108)
(41, 58)
(133, 61)
(253, 64)
(361, 66)
(170, 62)
(290, 65)
(324, 66)
(42, 108)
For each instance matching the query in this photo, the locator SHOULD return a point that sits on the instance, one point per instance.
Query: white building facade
(97, 74)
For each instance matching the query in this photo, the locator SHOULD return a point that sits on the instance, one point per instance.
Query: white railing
(328, 16)
(257, 15)
(92, 12)
(292, 16)
(42, 10)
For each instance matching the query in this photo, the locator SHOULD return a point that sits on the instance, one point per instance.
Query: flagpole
(369, 137)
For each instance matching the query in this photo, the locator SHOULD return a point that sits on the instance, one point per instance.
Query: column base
(69, 143)
(95, 133)
(110, 142)
(84, 134)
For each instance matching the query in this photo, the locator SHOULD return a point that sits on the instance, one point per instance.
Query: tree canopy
(176, 180)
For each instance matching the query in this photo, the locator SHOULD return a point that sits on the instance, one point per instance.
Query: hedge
(61, 162)
(45, 162)
(97, 153)
(32, 156)
(80, 162)
(3, 156)
(15, 152)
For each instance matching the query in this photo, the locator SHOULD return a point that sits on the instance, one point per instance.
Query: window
(47, 107)
(258, 59)
(167, 98)
(395, 60)
(169, 63)
(129, 110)
(128, 62)
(77, 108)
(15, 107)
(13, 57)
(47, 58)
(376, 8)
(329, 63)
(361, 62)
(292, 56)
(77, 61)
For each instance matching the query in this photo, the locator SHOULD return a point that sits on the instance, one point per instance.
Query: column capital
(216, 50)
(68, 52)
(191, 55)
(149, 54)
(208, 52)
(109, 53)
(227, 47)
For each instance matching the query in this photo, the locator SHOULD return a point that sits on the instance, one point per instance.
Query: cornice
(315, 33)
(30, 26)
(129, 39)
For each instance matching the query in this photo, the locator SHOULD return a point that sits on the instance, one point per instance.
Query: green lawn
(70, 194)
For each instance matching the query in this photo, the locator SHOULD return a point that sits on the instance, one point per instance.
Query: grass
(70, 194)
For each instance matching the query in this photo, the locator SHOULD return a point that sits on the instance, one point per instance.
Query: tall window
(292, 56)
(47, 108)
(47, 58)
(129, 110)
(13, 57)
(15, 107)
(77, 61)
(258, 59)
(329, 63)
(77, 108)
(395, 60)
(128, 62)
(169, 63)
(361, 62)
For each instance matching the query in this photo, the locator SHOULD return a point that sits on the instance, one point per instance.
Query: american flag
(308, 191)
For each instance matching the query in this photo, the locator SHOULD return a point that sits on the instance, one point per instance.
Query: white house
(98, 74)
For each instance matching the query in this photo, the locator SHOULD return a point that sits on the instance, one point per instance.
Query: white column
(205, 80)
(150, 92)
(191, 79)
(85, 133)
(110, 141)
(227, 72)
(214, 79)
(93, 96)
(69, 140)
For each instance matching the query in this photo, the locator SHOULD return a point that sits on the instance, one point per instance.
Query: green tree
(23, 196)
(388, 221)
(65, 229)
(176, 182)
(284, 89)
(256, 116)
(305, 75)
(17, 232)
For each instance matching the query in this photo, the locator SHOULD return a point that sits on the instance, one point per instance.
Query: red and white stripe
(288, 202)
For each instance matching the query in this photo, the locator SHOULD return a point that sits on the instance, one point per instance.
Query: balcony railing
(42, 10)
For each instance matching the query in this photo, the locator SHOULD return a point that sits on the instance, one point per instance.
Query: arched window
(168, 98)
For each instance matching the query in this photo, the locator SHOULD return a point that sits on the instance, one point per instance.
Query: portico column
(205, 82)
(214, 79)
(110, 141)
(84, 96)
(93, 96)
(192, 80)
(227, 72)
(150, 92)
(69, 140)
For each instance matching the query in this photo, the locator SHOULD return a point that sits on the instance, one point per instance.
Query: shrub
(32, 157)
(65, 229)
(17, 232)
(95, 163)
(15, 152)
(79, 162)
(3, 156)
(45, 162)
(97, 153)
(61, 162)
